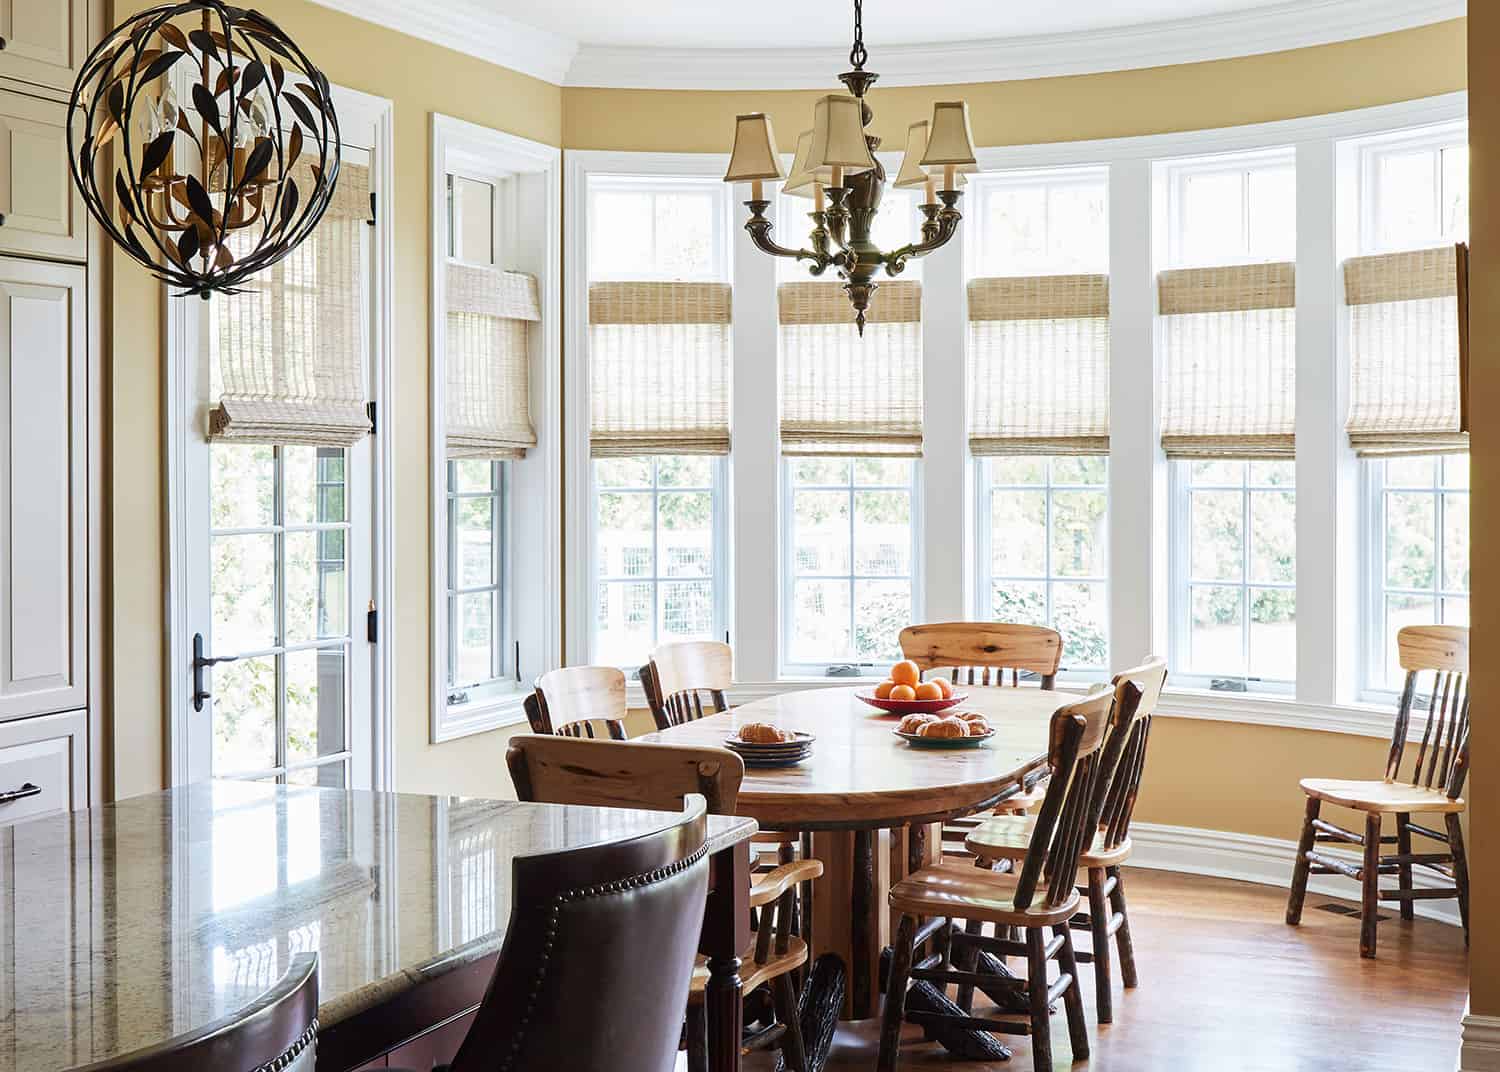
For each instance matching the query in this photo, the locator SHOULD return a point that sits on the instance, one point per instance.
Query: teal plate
(943, 742)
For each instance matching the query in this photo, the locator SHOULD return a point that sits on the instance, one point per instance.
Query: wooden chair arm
(766, 888)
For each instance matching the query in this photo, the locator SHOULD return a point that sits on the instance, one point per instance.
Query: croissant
(762, 733)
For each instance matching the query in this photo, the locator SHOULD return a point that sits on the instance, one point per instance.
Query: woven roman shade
(1228, 338)
(659, 368)
(846, 395)
(1039, 365)
(290, 346)
(1406, 383)
(488, 358)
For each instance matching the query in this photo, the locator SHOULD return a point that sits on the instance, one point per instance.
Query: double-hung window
(1226, 299)
(1039, 404)
(851, 437)
(1405, 409)
(659, 372)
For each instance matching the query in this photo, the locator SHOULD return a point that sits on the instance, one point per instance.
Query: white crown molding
(471, 27)
(1288, 25)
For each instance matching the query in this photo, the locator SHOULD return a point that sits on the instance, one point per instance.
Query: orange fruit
(945, 685)
(883, 690)
(903, 692)
(906, 673)
(929, 690)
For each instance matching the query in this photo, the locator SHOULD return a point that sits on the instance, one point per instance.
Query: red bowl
(911, 707)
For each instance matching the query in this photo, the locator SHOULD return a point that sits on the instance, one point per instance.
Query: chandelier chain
(858, 54)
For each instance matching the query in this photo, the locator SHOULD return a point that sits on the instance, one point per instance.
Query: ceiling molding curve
(473, 27)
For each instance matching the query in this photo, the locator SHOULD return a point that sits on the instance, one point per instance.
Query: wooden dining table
(864, 790)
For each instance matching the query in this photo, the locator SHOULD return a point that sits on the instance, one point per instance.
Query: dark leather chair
(598, 956)
(277, 1031)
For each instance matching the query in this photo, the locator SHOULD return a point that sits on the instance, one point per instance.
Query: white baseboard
(1268, 861)
(1481, 1046)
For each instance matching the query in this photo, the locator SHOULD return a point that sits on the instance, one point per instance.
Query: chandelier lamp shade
(834, 165)
(214, 137)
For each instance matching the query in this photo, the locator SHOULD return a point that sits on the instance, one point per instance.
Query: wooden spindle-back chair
(979, 653)
(1040, 895)
(679, 676)
(1009, 838)
(575, 700)
(1422, 776)
(560, 770)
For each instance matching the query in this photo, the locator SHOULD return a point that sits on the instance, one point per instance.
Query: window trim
(533, 243)
(790, 670)
(1177, 172)
(984, 578)
(502, 660)
(984, 186)
(1371, 149)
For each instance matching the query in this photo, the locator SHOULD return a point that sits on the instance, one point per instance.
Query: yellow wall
(1484, 396)
(1206, 774)
(420, 79)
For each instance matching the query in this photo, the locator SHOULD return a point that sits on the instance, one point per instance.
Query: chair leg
(785, 1000)
(895, 995)
(1460, 869)
(965, 961)
(1104, 1007)
(1403, 846)
(1123, 945)
(1369, 887)
(1300, 868)
(1078, 1028)
(697, 1038)
(1036, 989)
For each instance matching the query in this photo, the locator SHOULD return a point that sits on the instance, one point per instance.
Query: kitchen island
(131, 923)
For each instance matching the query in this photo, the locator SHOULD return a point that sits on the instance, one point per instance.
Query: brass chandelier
(835, 160)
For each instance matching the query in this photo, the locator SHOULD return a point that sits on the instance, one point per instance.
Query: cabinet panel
(44, 40)
(43, 493)
(49, 755)
(43, 211)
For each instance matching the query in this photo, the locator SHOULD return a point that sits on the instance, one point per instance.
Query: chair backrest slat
(1439, 653)
(678, 676)
(1133, 735)
(575, 701)
(991, 648)
(622, 774)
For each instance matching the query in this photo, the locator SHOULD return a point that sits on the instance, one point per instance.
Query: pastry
(914, 723)
(968, 716)
(945, 727)
(762, 733)
(978, 727)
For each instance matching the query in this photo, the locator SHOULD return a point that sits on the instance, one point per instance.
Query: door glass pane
(243, 480)
(316, 596)
(244, 715)
(244, 592)
(315, 687)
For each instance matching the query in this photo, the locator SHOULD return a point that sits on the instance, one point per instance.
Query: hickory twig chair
(1039, 898)
(560, 770)
(1009, 837)
(572, 701)
(1434, 784)
(278, 1031)
(678, 676)
(980, 653)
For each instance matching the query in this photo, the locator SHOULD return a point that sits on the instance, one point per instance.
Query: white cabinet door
(45, 40)
(43, 489)
(41, 211)
(43, 766)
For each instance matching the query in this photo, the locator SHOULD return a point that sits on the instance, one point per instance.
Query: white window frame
(367, 122)
(982, 187)
(502, 647)
(527, 176)
(789, 576)
(1176, 174)
(985, 579)
(1370, 152)
(621, 170)
(719, 541)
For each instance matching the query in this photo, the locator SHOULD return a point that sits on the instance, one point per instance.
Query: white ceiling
(740, 24)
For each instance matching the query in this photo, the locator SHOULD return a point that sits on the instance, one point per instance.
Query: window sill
(495, 713)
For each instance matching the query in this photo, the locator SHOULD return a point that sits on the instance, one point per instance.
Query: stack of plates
(781, 754)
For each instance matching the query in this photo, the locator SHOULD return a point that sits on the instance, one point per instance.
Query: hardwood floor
(1227, 986)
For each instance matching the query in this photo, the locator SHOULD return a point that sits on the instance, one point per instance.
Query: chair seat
(1380, 797)
(1022, 802)
(1007, 837)
(964, 891)
(751, 973)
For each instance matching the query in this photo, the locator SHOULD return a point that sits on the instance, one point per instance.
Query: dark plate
(943, 742)
(798, 742)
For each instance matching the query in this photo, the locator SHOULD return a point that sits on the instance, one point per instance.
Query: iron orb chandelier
(215, 136)
(836, 161)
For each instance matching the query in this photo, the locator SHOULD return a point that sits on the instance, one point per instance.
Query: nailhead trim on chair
(605, 889)
(294, 1051)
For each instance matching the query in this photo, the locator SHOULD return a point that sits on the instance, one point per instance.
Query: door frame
(357, 111)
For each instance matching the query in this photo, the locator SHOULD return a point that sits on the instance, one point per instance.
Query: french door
(279, 579)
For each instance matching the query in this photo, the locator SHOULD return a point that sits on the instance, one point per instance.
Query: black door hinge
(372, 623)
(371, 220)
(370, 412)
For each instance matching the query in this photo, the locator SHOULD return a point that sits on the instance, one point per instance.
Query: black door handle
(201, 663)
(10, 796)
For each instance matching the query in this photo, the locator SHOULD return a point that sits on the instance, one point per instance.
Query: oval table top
(861, 775)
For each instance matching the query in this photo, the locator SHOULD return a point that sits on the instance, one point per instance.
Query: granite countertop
(125, 925)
